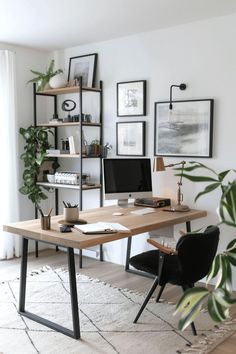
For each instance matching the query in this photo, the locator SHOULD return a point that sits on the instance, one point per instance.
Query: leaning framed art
(85, 66)
(185, 130)
(131, 98)
(130, 138)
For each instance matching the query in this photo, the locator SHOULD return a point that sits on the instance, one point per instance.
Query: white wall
(200, 54)
(26, 59)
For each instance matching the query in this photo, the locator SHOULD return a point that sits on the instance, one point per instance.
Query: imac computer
(127, 178)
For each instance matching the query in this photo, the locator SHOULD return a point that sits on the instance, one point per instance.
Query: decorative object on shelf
(158, 166)
(34, 156)
(50, 178)
(65, 147)
(94, 149)
(68, 106)
(130, 138)
(42, 79)
(71, 178)
(106, 149)
(83, 66)
(131, 98)
(58, 81)
(184, 130)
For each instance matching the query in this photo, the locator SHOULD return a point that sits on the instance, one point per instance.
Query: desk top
(136, 223)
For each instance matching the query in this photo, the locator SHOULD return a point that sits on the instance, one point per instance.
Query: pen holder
(71, 214)
(46, 222)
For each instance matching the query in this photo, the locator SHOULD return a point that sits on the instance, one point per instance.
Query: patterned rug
(106, 319)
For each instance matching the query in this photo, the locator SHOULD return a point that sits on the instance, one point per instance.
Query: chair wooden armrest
(164, 249)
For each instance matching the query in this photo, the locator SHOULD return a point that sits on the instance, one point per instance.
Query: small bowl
(51, 178)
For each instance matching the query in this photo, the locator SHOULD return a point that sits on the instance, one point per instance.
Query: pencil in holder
(45, 222)
(71, 214)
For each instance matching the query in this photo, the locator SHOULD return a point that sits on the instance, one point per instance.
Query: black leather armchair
(183, 266)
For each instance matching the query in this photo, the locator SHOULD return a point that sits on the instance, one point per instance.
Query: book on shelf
(73, 145)
(102, 228)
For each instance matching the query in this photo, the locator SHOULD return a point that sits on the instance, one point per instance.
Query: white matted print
(130, 138)
(85, 66)
(131, 98)
(184, 130)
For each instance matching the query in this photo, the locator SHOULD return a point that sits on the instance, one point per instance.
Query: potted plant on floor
(34, 155)
(219, 299)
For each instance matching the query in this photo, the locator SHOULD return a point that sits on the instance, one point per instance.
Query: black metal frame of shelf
(81, 157)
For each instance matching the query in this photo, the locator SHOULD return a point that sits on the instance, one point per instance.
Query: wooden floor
(108, 272)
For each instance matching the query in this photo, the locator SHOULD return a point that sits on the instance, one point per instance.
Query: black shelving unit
(80, 188)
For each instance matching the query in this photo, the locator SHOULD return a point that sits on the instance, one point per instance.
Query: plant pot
(58, 81)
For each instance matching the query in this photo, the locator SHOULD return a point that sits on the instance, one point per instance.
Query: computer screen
(127, 178)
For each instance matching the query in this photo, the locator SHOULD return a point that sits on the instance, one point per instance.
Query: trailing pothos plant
(34, 155)
(219, 298)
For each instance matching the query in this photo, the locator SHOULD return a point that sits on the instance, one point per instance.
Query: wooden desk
(137, 224)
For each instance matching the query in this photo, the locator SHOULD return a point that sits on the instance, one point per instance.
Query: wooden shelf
(73, 156)
(65, 90)
(68, 186)
(68, 124)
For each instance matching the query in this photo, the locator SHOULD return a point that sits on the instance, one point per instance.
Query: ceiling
(55, 24)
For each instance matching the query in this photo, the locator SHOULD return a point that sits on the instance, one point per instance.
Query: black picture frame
(85, 66)
(131, 98)
(186, 130)
(130, 138)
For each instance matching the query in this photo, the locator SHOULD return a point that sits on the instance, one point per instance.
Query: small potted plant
(42, 79)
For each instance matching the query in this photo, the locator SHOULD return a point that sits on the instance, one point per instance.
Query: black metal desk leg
(23, 274)
(73, 293)
(129, 241)
(188, 226)
(101, 252)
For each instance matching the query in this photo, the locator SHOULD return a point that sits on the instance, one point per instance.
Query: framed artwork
(130, 138)
(85, 66)
(185, 130)
(131, 98)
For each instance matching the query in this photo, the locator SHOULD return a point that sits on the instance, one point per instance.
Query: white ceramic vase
(58, 81)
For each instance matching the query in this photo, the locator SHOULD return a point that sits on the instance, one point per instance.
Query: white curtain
(9, 204)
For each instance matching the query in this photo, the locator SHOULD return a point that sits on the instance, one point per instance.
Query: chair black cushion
(149, 262)
(195, 255)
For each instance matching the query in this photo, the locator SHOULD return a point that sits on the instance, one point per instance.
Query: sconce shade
(158, 164)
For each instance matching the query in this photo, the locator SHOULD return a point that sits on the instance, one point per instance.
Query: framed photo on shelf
(130, 138)
(185, 130)
(85, 66)
(131, 98)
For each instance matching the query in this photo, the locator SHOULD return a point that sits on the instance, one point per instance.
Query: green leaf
(222, 296)
(190, 298)
(203, 166)
(214, 268)
(231, 258)
(231, 246)
(223, 174)
(37, 73)
(190, 305)
(215, 310)
(24, 190)
(208, 189)
(198, 178)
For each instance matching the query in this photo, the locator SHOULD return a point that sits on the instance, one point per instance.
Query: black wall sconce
(182, 87)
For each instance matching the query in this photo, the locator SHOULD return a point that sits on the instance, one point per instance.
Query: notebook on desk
(102, 228)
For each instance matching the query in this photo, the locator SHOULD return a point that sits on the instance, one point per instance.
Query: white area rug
(106, 320)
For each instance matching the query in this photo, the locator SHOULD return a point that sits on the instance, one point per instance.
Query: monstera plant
(219, 299)
(34, 155)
